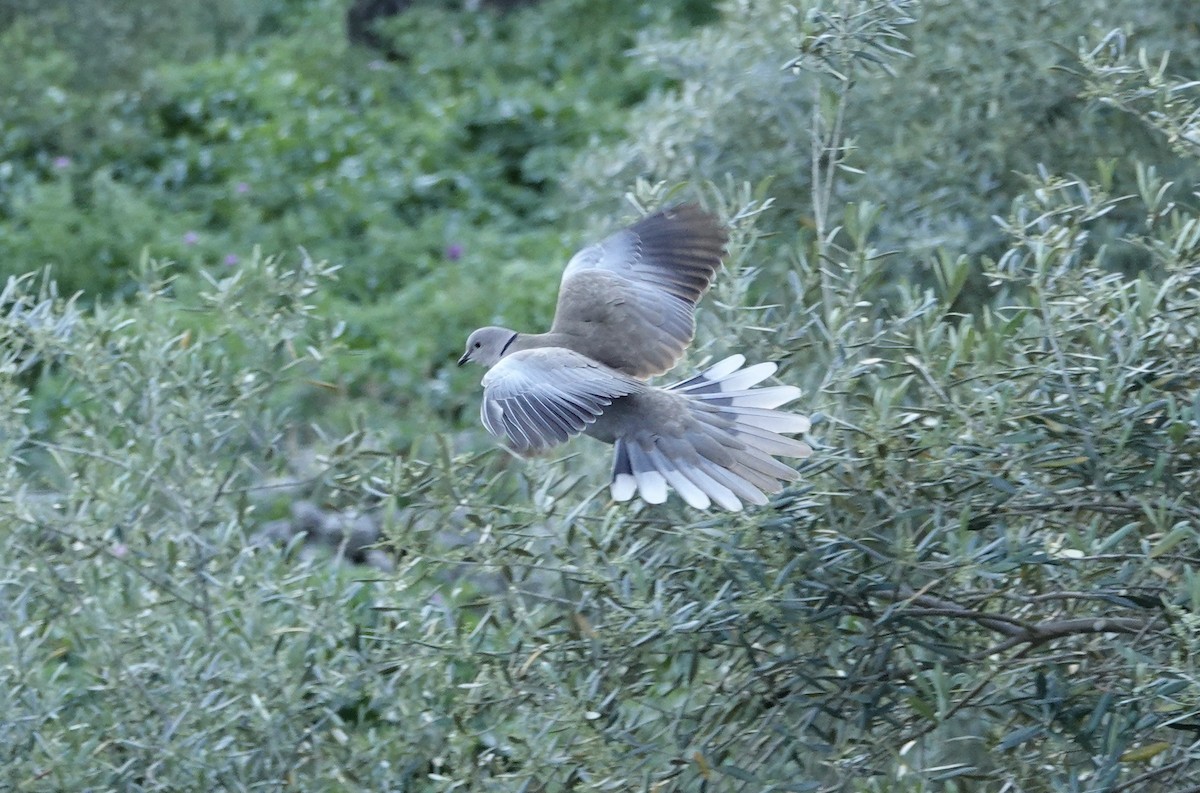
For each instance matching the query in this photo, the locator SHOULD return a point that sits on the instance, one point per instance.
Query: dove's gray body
(625, 313)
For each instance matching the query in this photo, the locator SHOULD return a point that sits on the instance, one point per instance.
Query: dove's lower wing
(629, 301)
(540, 398)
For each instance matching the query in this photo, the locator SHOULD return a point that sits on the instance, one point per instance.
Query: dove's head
(487, 345)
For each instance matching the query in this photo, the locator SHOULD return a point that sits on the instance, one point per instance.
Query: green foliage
(423, 180)
(987, 580)
(1146, 90)
(106, 220)
(990, 570)
(379, 167)
(130, 596)
(112, 45)
(983, 98)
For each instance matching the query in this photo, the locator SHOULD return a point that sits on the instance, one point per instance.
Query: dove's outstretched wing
(541, 398)
(630, 300)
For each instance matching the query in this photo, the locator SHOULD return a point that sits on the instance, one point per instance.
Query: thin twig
(1047, 631)
(1018, 631)
(1151, 774)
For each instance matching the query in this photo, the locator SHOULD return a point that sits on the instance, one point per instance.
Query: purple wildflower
(454, 252)
(191, 238)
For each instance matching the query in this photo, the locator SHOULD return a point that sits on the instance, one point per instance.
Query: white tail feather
(770, 419)
(650, 482)
(750, 376)
(739, 486)
(724, 368)
(711, 375)
(771, 397)
(624, 485)
(724, 453)
(686, 488)
(773, 443)
(715, 490)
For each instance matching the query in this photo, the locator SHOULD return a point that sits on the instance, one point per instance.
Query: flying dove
(626, 312)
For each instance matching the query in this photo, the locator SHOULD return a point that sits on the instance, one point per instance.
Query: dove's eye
(478, 345)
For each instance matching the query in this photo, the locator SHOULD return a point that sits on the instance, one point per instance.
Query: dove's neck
(507, 348)
(536, 341)
(594, 346)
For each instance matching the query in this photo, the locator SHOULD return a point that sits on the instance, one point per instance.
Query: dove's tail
(725, 450)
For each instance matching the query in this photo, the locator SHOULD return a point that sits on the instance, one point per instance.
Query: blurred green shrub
(427, 181)
(113, 44)
(104, 219)
(379, 167)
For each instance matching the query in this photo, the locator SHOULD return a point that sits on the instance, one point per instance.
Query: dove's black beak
(466, 356)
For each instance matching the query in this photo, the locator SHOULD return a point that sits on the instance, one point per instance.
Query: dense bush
(129, 591)
(987, 580)
(986, 93)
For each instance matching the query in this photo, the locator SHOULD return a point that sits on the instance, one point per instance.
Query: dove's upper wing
(628, 301)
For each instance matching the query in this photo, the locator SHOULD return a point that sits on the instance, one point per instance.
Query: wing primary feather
(492, 415)
(514, 433)
(532, 423)
(547, 422)
(514, 408)
(523, 425)
(555, 417)
(581, 405)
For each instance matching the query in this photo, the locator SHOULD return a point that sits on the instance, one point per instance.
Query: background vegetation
(970, 231)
